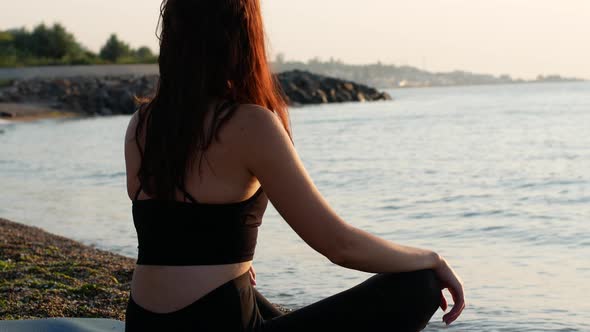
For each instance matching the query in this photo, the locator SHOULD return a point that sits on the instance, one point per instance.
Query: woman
(203, 158)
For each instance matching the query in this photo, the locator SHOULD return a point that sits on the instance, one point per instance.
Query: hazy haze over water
(495, 178)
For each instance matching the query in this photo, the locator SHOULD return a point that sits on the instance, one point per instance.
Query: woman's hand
(252, 273)
(453, 283)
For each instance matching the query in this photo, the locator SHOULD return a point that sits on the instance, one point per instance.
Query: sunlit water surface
(495, 178)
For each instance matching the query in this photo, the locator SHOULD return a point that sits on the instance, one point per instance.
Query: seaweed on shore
(44, 275)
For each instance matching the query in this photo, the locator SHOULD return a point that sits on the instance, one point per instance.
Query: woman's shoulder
(254, 133)
(255, 112)
(252, 121)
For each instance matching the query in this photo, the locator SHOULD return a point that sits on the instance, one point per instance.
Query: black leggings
(384, 302)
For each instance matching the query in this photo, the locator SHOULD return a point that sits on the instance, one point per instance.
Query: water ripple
(495, 178)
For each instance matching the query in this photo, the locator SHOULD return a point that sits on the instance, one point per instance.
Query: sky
(522, 38)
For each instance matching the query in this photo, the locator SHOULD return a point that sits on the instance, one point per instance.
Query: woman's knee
(427, 286)
(421, 288)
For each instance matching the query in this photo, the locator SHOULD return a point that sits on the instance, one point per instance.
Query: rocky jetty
(302, 87)
(91, 95)
(107, 95)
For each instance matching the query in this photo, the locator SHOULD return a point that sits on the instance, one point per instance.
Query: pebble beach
(44, 275)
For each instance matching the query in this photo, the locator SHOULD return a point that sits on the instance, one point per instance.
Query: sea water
(494, 178)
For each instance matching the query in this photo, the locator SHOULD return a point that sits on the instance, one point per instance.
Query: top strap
(187, 196)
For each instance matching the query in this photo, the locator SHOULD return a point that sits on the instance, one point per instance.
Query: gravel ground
(44, 275)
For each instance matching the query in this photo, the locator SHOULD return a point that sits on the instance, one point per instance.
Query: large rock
(89, 95)
(302, 87)
(109, 95)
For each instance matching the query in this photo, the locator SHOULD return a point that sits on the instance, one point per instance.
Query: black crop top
(179, 233)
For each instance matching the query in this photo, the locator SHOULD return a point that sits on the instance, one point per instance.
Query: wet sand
(11, 112)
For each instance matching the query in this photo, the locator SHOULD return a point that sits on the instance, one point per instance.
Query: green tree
(52, 43)
(6, 44)
(63, 43)
(22, 42)
(144, 52)
(114, 49)
(7, 50)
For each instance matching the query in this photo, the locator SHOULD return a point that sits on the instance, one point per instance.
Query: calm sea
(495, 178)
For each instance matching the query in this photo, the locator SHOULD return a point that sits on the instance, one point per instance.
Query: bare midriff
(165, 289)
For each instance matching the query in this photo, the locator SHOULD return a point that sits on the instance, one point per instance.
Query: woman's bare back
(222, 179)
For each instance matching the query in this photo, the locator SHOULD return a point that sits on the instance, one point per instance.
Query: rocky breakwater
(91, 95)
(107, 95)
(302, 87)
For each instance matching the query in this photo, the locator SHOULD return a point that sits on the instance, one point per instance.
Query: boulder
(302, 87)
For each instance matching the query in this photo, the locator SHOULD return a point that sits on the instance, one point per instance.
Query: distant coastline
(392, 76)
(378, 75)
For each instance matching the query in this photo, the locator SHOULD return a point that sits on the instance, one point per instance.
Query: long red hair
(209, 50)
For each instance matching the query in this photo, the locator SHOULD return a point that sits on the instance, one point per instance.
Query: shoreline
(25, 112)
(43, 275)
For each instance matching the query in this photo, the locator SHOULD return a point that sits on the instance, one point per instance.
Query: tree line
(54, 45)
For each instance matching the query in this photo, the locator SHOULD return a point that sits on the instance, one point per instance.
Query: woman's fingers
(458, 305)
(443, 301)
(452, 282)
(453, 314)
